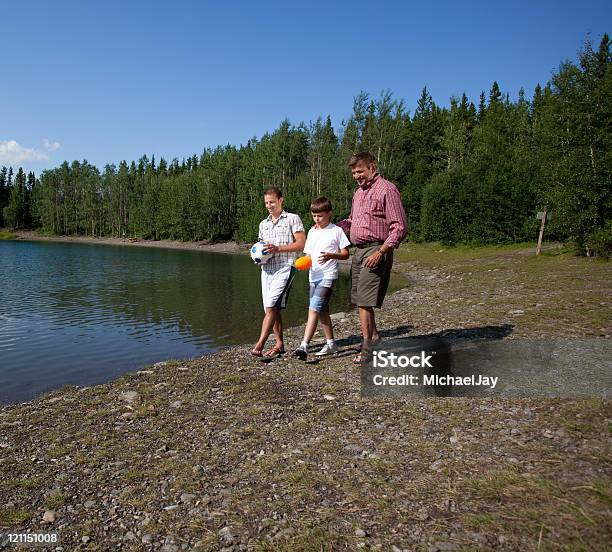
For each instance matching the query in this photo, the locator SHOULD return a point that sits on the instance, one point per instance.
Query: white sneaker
(327, 350)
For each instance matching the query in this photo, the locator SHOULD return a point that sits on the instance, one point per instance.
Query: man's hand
(270, 248)
(373, 260)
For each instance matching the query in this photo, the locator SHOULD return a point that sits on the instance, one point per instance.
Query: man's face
(363, 172)
(274, 204)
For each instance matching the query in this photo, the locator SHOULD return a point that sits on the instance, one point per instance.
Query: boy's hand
(326, 256)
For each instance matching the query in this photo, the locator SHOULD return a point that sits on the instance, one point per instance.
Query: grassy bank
(6, 235)
(225, 452)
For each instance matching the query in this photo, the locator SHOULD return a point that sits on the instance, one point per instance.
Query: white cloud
(51, 146)
(11, 152)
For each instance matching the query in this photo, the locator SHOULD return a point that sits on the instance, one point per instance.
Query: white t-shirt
(330, 239)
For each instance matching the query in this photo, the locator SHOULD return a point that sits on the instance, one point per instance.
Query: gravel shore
(227, 453)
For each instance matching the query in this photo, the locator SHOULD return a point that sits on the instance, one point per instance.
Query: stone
(360, 532)
(130, 396)
(49, 516)
(228, 535)
(443, 547)
(89, 504)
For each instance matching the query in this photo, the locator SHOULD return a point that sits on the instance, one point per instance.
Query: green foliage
(16, 198)
(599, 241)
(574, 144)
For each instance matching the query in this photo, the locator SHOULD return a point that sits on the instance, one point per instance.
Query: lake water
(83, 314)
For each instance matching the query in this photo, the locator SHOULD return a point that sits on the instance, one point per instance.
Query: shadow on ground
(455, 334)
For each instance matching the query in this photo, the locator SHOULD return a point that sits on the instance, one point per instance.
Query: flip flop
(257, 352)
(274, 352)
(362, 357)
(373, 343)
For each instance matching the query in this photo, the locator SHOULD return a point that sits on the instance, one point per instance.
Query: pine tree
(575, 149)
(425, 139)
(14, 213)
(4, 192)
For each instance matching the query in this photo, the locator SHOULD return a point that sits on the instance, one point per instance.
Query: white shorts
(275, 287)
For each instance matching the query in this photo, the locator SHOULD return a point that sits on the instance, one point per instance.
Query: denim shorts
(320, 293)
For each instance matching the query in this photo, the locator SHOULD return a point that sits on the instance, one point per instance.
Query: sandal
(257, 352)
(274, 352)
(373, 343)
(362, 357)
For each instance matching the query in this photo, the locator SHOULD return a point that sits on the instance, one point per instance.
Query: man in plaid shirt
(284, 236)
(377, 225)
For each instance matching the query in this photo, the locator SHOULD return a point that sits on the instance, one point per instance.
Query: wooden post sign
(541, 216)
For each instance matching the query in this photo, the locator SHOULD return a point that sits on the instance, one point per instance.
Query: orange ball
(303, 263)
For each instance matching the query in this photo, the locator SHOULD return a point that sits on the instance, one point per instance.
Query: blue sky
(106, 81)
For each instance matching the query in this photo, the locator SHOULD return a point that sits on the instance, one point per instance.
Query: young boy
(326, 244)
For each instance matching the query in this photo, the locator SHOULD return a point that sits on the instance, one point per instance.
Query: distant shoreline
(228, 247)
(221, 247)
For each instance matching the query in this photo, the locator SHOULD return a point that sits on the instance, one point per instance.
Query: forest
(469, 172)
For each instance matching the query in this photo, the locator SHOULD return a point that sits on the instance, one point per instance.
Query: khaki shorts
(369, 285)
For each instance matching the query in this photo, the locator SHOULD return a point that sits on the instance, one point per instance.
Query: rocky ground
(228, 453)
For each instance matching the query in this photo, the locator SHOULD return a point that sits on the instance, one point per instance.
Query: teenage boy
(284, 236)
(326, 244)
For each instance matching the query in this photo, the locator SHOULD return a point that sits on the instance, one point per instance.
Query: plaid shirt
(280, 233)
(377, 214)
